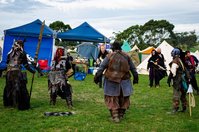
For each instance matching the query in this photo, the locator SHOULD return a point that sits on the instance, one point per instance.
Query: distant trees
(59, 26)
(153, 32)
(188, 39)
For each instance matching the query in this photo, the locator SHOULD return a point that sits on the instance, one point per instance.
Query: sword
(162, 68)
(37, 53)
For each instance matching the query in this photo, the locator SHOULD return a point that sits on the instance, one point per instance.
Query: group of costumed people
(115, 67)
(16, 93)
(182, 73)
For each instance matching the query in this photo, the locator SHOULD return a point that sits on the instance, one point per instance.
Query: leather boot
(184, 108)
(175, 110)
(69, 101)
(115, 116)
(121, 113)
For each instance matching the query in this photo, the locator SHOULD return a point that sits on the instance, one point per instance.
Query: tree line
(152, 33)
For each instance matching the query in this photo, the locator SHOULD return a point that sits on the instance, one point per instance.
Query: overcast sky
(107, 16)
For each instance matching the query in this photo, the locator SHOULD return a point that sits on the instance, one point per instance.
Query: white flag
(190, 89)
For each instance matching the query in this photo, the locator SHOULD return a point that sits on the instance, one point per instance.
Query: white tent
(196, 54)
(1, 49)
(166, 51)
(135, 47)
(1, 43)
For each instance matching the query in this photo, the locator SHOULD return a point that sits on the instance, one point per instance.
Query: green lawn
(148, 110)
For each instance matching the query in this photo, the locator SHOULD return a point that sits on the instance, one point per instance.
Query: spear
(191, 99)
(37, 53)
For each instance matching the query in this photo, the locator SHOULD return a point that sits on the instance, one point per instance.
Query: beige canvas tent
(135, 48)
(134, 57)
(196, 54)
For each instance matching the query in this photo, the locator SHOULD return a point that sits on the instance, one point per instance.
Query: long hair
(58, 54)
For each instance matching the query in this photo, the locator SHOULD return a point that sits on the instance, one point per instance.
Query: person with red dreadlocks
(58, 80)
(15, 92)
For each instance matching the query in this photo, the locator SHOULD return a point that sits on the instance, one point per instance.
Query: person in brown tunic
(117, 83)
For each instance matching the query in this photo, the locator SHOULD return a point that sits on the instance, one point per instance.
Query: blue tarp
(88, 50)
(84, 32)
(29, 32)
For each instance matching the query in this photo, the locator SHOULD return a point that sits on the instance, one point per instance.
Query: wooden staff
(37, 53)
(190, 112)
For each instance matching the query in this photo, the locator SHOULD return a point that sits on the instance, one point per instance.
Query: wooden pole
(37, 53)
(190, 104)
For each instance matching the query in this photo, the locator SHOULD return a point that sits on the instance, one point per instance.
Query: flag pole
(190, 112)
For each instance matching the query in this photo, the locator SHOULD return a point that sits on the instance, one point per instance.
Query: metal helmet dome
(175, 52)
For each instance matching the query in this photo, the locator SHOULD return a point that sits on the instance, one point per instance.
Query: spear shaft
(37, 53)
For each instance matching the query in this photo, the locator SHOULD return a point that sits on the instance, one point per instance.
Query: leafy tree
(132, 35)
(59, 26)
(155, 31)
(151, 33)
(186, 38)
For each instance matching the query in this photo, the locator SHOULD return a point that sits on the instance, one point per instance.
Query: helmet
(175, 52)
(18, 45)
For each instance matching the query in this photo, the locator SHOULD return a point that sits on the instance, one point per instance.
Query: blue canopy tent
(29, 32)
(84, 32)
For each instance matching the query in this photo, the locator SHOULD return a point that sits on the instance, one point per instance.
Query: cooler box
(80, 76)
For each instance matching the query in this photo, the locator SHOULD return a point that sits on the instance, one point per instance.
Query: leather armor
(118, 67)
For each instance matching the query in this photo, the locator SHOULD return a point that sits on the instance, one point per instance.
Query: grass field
(148, 111)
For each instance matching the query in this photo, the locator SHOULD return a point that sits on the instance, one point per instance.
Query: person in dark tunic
(102, 53)
(161, 66)
(15, 92)
(153, 69)
(117, 82)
